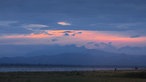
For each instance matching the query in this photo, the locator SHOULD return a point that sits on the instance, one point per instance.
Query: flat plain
(74, 76)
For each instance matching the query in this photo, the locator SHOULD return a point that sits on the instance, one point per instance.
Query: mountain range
(72, 55)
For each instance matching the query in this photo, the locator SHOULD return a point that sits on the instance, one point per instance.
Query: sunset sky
(94, 24)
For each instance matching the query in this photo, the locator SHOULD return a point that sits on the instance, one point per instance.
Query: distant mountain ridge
(76, 56)
(33, 50)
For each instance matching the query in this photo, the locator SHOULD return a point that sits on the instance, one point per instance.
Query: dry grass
(88, 76)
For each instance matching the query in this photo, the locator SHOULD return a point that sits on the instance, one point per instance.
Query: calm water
(45, 69)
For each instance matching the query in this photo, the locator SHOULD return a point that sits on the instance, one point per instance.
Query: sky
(107, 25)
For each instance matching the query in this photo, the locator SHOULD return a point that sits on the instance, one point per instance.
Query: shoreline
(63, 69)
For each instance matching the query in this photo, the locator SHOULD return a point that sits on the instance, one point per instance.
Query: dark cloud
(101, 44)
(73, 34)
(66, 34)
(79, 32)
(91, 43)
(135, 36)
(54, 40)
(49, 34)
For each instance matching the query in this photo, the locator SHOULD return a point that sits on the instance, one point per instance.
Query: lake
(47, 69)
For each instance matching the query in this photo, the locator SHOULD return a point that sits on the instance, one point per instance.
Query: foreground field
(88, 76)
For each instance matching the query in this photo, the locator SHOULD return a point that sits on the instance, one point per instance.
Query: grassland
(88, 76)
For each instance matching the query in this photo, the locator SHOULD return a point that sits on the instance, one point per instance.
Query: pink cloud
(64, 23)
(74, 37)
